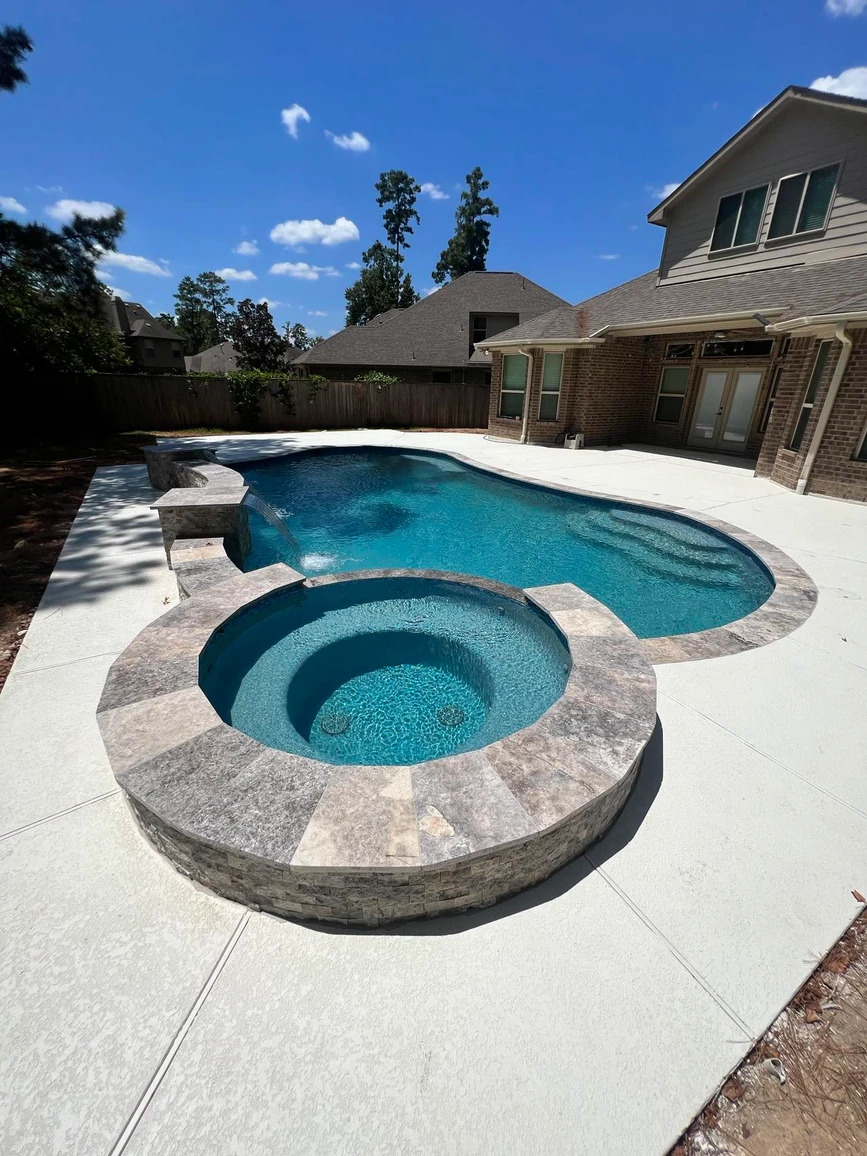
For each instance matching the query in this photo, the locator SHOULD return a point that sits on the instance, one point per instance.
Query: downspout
(825, 416)
(526, 419)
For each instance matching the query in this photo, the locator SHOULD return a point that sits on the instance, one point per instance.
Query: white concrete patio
(591, 1015)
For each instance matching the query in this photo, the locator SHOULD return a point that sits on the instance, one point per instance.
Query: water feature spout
(255, 502)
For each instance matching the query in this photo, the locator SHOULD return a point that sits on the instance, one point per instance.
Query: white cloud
(50, 188)
(845, 8)
(316, 313)
(663, 191)
(427, 292)
(435, 192)
(272, 304)
(65, 210)
(133, 264)
(246, 248)
(331, 332)
(608, 256)
(312, 232)
(121, 293)
(10, 205)
(354, 265)
(231, 274)
(355, 142)
(302, 271)
(850, 82)
(291, 118)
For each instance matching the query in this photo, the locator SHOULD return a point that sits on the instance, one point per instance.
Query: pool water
(389, 671)
(355, 509)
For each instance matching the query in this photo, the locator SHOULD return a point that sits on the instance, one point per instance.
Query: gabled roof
(434, 331)
(222, 358)
(829, 288)
(133, 320)
(792, 93)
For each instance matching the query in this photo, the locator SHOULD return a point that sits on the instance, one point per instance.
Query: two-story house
(151, 345)
(435, 340)
(750, 338)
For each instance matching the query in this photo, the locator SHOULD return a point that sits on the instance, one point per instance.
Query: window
(672, 391)
(803, 202)
(810, 396)
(149, 349)
(739, 218)
(479, 328)
(176, 351)
(514, 385)
(552, 375)
(679, 350)
(441, 376)
(769, 404)
(861, 452)
(737, 348)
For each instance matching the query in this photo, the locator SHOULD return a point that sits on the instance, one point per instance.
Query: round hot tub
(387, 671)
(377, 746)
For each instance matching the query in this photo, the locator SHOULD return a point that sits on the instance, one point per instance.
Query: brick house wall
(609, 392)
(835, 473)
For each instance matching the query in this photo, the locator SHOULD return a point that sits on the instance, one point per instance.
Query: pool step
(658, 553)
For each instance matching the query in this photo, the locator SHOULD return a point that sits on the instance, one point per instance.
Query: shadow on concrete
(109, 545)
(618, 835)
(700, 457)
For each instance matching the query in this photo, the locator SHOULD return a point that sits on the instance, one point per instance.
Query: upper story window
(803, 202)
(479, 328)
(149, 349)
(739, 218)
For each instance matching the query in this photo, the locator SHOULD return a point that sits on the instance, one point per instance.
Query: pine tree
(467, 250)
(382, 284)
(204, 311)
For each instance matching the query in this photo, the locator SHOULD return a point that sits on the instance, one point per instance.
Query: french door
(724, 413)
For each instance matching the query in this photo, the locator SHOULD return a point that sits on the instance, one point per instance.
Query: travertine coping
(370, 845)
(789, 606)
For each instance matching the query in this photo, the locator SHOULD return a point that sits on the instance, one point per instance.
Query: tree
(297, 335)
(468, 249)
(14, 46)
(397, 193)
(203, 311)
(317, 339)
(382, 284)
(167, 319)
(51, 300)
(375, 292)
(257, 343)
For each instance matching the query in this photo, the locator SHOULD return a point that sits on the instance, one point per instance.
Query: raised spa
(388, 671)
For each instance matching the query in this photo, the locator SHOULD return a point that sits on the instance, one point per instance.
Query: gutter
(828, 404)
(552, 343)
(857, 315)
(712, 320)
(525, 420)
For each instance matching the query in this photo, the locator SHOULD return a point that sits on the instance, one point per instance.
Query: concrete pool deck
(592, 1014)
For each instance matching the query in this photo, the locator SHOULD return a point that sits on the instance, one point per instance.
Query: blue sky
(579, 115)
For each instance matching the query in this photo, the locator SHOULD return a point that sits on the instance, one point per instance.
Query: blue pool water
(354, 509)
(387, 671)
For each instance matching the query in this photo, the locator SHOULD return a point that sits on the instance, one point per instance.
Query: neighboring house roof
(801, 291)
(434, 331)
(222, 358)
(787, 96)
(218, 359)
(133, 320)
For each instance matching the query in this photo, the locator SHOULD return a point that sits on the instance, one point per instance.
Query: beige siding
(801, 137)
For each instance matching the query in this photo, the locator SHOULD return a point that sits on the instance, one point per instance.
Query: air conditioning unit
(574, 441)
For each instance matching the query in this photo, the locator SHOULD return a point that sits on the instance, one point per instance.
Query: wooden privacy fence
(139, 401)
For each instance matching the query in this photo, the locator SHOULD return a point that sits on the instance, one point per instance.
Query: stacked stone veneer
(370, 845)
(201, 514)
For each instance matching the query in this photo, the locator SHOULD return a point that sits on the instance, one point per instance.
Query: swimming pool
(377, 508)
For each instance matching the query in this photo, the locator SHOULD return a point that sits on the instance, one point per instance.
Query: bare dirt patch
(802, 1091)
